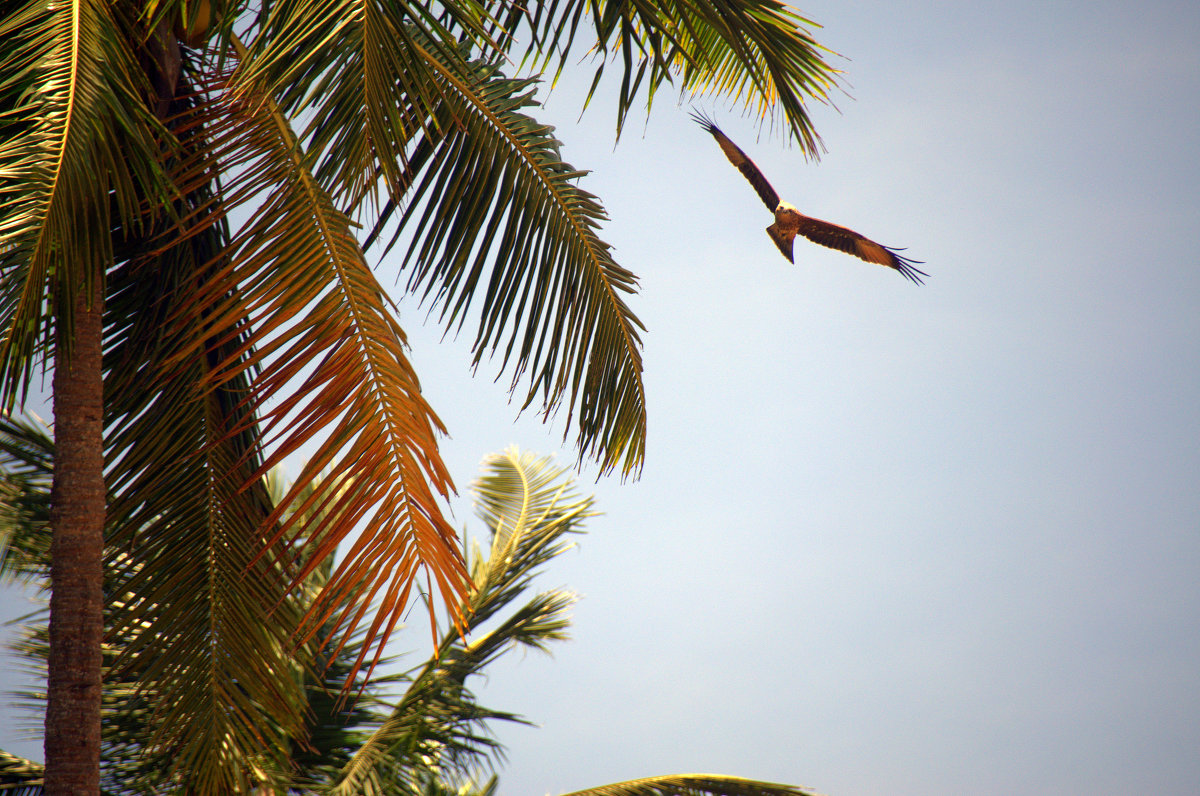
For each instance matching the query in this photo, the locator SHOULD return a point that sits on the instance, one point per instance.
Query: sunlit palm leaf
(20, 777)
(498, 197)
(76, 159)
(530, 505)
(759, 53)
(468, 785)
(330, 368)
(694, 785)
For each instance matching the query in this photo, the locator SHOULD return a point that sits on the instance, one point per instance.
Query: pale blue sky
(894, 539)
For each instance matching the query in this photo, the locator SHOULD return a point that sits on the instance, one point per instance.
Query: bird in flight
(789, 221)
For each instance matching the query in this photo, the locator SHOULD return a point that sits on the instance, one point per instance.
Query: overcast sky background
(891, 539)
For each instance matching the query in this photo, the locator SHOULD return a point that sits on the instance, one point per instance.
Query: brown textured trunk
(76, 569)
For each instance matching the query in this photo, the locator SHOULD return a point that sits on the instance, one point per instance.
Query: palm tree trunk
(76, 569)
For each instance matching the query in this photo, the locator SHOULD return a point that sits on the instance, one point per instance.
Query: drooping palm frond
(197, 597)
(486, 190)
(554, 302)
(77, 158)
(530, 505)
(342, 703)
(205, 614)
(198, 670)
(135, 757)
(497, 218)
(364, 76)
(758, 52)
(329, 365)
(341, 707)
(694, 785)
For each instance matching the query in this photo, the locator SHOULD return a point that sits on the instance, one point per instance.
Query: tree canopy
(187, 187)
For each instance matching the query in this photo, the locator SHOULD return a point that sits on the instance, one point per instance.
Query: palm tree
(417, 732)
(181, 182)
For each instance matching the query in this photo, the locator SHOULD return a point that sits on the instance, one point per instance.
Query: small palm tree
(417, 732)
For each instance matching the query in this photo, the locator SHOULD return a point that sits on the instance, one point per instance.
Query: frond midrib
(582, 232)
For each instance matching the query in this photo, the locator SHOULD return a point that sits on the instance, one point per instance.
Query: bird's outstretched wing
(738, 158)
(850, 242)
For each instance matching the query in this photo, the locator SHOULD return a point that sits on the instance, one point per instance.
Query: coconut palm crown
(186, 189)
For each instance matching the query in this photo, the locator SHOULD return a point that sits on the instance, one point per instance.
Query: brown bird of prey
(789, 221)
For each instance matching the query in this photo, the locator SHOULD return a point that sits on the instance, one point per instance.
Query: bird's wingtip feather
(907, 266)
(702, 119)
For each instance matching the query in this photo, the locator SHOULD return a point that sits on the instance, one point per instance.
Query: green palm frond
(138, 757)
(363, 73)
(530, 505)
(77, 158)
(757, 52)
(340, 708)
(205, 616)
(341, 702)
(497, 219)
(194, 658)
(694, 785)
(760, 54)
(20, 777)
(434, 740)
